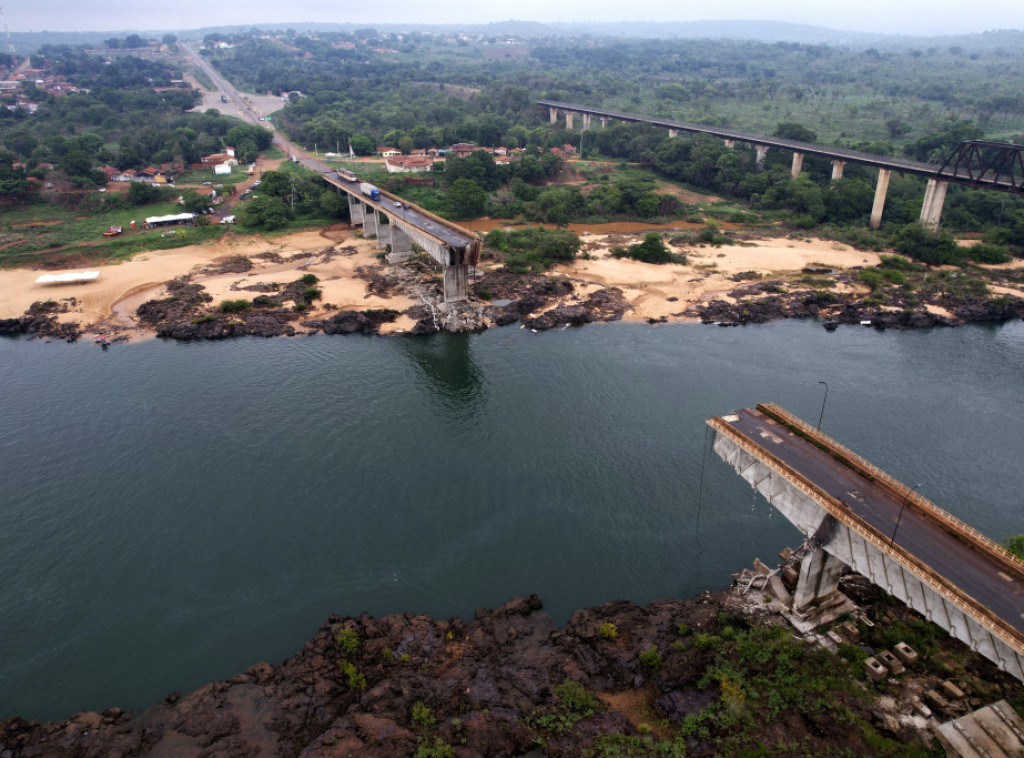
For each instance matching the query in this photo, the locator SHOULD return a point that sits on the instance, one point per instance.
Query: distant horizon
(915, 18)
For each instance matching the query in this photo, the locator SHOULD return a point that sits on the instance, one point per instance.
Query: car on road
(257, 183)
(398, 204)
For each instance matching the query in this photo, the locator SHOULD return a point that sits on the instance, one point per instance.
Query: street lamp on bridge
(902, 506)
(824, 400)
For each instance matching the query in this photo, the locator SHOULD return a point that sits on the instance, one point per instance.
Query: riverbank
(752, 282)
(719, 673)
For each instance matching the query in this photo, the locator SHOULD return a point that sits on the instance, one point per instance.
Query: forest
(362, 89)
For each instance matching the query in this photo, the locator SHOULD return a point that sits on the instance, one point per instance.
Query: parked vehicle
(347, 175)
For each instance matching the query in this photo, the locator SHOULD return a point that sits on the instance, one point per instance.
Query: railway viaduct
(978, 163)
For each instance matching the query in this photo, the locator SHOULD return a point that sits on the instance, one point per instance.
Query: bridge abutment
(880, 191)
(934, 199)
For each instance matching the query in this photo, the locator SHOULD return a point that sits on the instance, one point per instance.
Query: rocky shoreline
(540, 302)
(715, 674)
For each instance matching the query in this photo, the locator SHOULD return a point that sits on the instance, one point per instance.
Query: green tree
(466, 198)
(266, 212)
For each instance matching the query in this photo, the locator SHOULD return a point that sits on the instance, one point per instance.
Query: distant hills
(761, 31)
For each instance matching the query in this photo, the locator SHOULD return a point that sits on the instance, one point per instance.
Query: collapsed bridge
(853, 513)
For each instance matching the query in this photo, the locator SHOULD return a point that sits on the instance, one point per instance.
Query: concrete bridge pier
(586, 121)
(730, 143)
(355, 211)
(837, 170)
(401, 245)
(819, 579)
(673, 133)
(798, 165)
(553, 115)
(568, 119)
(382, 235)
(934, 199)
(455, 278)
(604, 121)
(761, 151)
(880, 190)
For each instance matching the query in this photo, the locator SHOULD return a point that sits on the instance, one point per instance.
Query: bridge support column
(401, 245)
(934, 198)
(761, 151)
(355, 211)
(382, 235)
(819, 579)
(880, 189)
(553, 115)
(455, 278)
(604, 121)
(837, 170)
(673, 133)
(798, 165)
(730, 143)
(586, 121)
(568, 119)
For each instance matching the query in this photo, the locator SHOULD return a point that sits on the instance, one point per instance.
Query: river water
(173, 513)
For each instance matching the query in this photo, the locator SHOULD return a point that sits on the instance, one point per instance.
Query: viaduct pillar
(455, 278)
(355, 211)
(730, 143)
(673, 133)
(553, 115)
(586, 121)
(880, 189)
(604, 121)
(382, 236)
(762, 151)
(819, 579)
(837, 170)
(568, 119)
(934, 198)
(798, 165)
(401, 245)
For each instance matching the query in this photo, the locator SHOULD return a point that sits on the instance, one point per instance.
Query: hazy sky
(895, 16)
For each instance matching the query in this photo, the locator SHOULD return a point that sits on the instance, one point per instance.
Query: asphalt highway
(969, 569)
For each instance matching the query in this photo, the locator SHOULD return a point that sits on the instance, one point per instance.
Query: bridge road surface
(968, 569)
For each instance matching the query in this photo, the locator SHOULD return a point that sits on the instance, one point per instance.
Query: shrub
(983, 253)
(312, 293)
(682, 629)
(574, 698)
(354, 678)
(309, 279)
(650, 659)
(347, 640)
(208, 318)
(421, 714)
(608, 630)
(234, 306)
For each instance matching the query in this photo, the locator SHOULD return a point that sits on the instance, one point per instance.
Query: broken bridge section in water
(853, 513)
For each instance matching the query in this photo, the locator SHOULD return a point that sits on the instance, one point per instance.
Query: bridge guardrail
(949, 591)
(922, 504)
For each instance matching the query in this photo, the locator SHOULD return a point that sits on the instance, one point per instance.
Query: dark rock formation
(356, 322)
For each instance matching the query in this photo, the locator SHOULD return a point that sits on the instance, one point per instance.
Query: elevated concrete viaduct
(853, 513)
(978, 163)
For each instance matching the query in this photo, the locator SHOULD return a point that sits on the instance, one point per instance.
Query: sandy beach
(653, 292)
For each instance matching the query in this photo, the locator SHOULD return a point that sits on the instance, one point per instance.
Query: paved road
(970, 570)
(410, 214)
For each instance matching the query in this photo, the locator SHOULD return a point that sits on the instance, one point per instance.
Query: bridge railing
(896, 487)
(949, 591)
